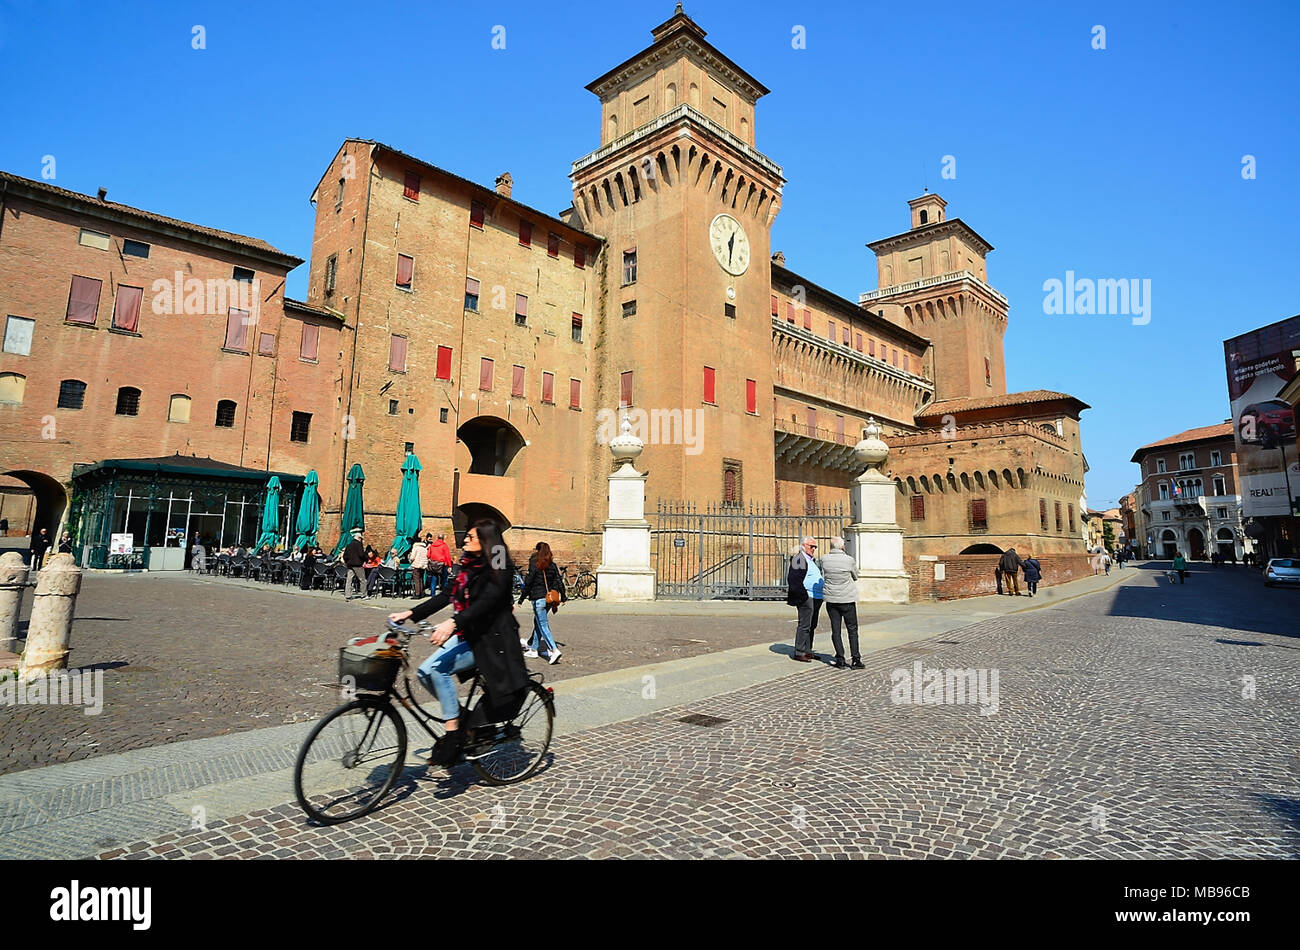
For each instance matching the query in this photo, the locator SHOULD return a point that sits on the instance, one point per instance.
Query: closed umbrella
(409, 518)
(270, 515)
(308, 522)
(354, 518)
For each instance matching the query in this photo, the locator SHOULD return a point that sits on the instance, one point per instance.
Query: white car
(1282, 570)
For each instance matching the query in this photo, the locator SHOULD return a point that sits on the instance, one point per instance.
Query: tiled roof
(147, 217)
(291, 304)
(968, 403)
(1220, 430)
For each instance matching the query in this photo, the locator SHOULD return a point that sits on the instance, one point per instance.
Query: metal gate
(729, 552)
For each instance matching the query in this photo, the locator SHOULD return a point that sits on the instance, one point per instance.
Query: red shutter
(1042, 513)
(405, 269)
(918, 507)
(625, 390)
(812, 421)
(517, 382)
(83, 300)
(471, 286)
(412, 190)
(548, 387)
(126, 312)
(397, 354)
(266, 344)
(521, 305)
(237, 330)
(789, 311)
(895, 360)
(751, 396)
(776, 306)
(709, 387)
(444, 362)
(526, 233)
(575, 394)
(310, 341)
(859, 346)
(830, 329)
(485, 374)
(907, 362)
(476, 210)
(553, 244)
(846, 339)
(979, 513)
(839, 429)
(871, 347)
(579, 256)
(807, 319)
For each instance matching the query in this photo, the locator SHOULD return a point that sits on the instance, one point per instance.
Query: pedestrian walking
(4, 527)
(840, 591)
(1180, 566)
(1033, 573)
(805, 586)
(354, 559)
(1010, 563)
(997, 575)
(440, 562)
(419, 563)
(1105, 562)
(544, 587)
(198, 556)
(40, 544)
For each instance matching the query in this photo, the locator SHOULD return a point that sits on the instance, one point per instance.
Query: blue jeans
(541, 629)
(436, 672)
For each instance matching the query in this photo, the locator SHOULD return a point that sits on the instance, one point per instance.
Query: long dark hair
(495, 554)
(544, 557)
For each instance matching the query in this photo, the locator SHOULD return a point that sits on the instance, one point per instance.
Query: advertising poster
(1260, 364)
(121, 544)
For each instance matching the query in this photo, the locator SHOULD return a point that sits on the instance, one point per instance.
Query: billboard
(1260, 364)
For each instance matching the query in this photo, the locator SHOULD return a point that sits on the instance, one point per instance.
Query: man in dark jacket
(1010, 564)
(40, 544)
(354, 559)
(800, 597)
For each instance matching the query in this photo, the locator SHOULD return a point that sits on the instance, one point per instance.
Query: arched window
(72, 394)
(744, 129)
(613, 127)
(670, 96)
(12, 387)
(128, 401)
(925, 216)
(226, 414)
(179, 409)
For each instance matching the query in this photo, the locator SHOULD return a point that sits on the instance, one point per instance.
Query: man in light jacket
(841, 595)
(805, 586)
(419, 561)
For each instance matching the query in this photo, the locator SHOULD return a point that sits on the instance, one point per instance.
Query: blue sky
(1117, 163)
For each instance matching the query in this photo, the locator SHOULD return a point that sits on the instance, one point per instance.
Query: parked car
(1282, 570)
(1269, 422)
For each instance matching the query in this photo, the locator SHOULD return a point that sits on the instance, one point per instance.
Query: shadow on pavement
(1229, 596)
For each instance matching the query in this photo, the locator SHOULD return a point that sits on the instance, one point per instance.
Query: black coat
(537, 583)
(488, 625)
(796, 594)
(1010, 561)
(354, 555)
(1033, 570)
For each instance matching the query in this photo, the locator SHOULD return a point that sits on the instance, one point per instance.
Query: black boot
(857, 664)
(840, 664)
(447, 749)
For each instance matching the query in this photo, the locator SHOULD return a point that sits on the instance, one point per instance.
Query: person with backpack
(439, 562)
(544, 587)
(1033, 573)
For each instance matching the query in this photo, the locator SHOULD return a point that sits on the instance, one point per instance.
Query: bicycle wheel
(585, 585)
(350, 761)
(517, 749)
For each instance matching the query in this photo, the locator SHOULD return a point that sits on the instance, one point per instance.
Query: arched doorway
(1168, 543)
(493, 444)
(51, 501)
(471, 511)
(1196, 541)
(982, 549)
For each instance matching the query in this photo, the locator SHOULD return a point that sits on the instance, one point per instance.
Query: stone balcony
(925, 282)
(800, 444)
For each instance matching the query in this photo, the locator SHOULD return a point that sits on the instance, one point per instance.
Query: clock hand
(731, 246)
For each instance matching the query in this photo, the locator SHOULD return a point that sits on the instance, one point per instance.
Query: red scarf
(470, 564)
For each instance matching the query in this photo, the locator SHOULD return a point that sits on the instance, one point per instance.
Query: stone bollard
(13, 578)
(50, 625)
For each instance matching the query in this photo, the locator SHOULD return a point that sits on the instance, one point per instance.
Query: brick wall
(971, 575)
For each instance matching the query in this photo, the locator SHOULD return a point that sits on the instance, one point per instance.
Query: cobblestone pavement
(1125, 727)
(187, 658)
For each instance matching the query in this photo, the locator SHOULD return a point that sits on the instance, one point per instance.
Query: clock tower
(685, 203)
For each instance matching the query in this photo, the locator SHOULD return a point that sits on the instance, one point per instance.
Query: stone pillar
(625, 573)
(50, 625)
(876, 537)
(13, 578)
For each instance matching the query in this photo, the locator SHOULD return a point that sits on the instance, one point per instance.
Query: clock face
(730, 244)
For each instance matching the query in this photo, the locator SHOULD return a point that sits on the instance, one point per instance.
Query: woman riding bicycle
(482, 631)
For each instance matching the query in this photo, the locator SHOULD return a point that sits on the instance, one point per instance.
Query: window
(476, 212)
(579, 256)
(846, 340)
(1221, 512)
(396, 354)
(776, 306)
(548, 388)
(134, 248)
(979, 514)
(1057, 508)
(871, 347)
(709, 385)
(443, 370)
(95, 239)
(178, 408)
(12, 388)
(338, 199)
(729, 309)
(629, 267)
(859, 343)
(471, 294)
(629, 308)
(1164, 493)
(575, 394)
(266, 344)
(907, 363)
(72, 394)
(988, 372)
(731, 487)
(442, 414)
(1220, 485)
(244, 274)
(751, 396)
(393, 407)
(552, 244)
(624, 390)
(83, 300)
(412, 187)
(1070, 509)
(310, 344)
(405, 271)
(226, 414)
(126, 309)
(237, 331)
(1187, 461)
(525, 233)
(300, 427)
(1042, 513)
(517, 382)
(1160, 465)
(918, 507)
(1216, 458)
(830, 330)
(577, 328)
(810, 499)
(839, 429)
(789, 311)
(521, 310)
(1164, 516)
(812, 421)
(331, 271)
(128, 401)
(894, 361)
(807, 319)
(485, 374)
(18, 336)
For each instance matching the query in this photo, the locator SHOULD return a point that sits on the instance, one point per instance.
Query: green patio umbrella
(308, 522)
(354, 517)
(409, 519)
(270, 515)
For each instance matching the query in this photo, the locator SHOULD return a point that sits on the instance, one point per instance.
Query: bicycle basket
(372, 666)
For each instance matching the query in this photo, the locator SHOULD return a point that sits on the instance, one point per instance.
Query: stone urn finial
(871, 451)
(625, 446)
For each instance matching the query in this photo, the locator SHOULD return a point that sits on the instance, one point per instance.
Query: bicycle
(354, 756)
(581, 584)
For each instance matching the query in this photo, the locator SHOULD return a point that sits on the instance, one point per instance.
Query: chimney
(103, 194)
(505, 184)
(779, 258)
